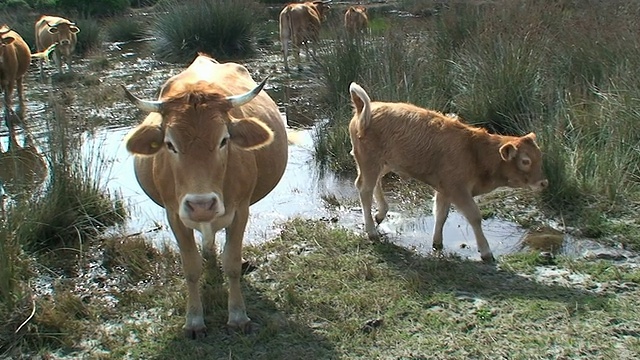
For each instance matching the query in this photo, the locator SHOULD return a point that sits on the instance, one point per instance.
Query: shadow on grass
(478, 279)
(274, 334)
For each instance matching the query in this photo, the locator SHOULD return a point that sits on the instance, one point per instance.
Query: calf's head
(194, 138)
(522, 164)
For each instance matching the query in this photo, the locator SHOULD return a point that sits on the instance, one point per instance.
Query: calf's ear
(144, 140)
(508, 151)
(250, 133)
(7, 40)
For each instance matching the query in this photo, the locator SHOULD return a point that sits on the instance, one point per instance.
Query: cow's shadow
(274, 334)
(468, 278)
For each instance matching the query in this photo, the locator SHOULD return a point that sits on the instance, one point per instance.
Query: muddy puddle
(303, 192)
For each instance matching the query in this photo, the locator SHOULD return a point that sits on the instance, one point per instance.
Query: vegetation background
(565, 69)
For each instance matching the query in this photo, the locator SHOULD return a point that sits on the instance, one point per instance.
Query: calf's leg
(383, 206)
(470, 210)
(441, 207)
(365, 183)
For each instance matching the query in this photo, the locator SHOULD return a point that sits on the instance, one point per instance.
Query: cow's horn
(54, 25)
(144, 105)
(239, 100)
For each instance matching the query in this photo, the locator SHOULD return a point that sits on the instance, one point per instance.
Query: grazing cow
(356, 20)
(459, 161)
(300, 23)
(56, 30)
(212, 145)
(15, 58)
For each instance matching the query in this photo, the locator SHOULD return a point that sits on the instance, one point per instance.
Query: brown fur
(206, 163)
(65, 36)
(458, 160)
(300, 23)
(15, 58)
(356, 19)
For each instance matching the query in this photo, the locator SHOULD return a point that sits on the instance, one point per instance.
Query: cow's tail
(362, 107)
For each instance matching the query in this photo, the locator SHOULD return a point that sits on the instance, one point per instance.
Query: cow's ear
(74, 29)
(7, 40)
(144, 140)
(250, 133)
(508, 151)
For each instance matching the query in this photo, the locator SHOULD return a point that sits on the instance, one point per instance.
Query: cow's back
(17, 57)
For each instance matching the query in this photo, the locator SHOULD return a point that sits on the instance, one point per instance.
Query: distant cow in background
(300, 23)
(356, 20)
(56, 30)
(15, 58)
(459, 161)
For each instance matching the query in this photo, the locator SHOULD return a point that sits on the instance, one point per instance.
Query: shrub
(94, 7)
(90, 35)
(125, 29)
(223, 29)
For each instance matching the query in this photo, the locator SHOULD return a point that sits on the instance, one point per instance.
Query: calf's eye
(223, 142)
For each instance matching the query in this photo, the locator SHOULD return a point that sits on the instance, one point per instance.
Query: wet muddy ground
(100, 116)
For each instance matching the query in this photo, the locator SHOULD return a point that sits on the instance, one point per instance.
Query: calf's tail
(362, 107)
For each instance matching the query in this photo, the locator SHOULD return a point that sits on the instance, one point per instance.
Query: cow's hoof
(437, 247)
(195, 333)
(488, 258)
(246, 328)
(374, 236)
(378, 219)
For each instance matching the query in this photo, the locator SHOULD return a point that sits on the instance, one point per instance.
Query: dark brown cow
(459, 161)
(212, 145)
(51, 30)
(356, 20)
(300, 23)
(15, 58)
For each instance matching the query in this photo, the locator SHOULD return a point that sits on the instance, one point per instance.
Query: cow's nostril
(544, 183)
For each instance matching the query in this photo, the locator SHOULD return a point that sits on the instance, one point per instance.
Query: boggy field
(567, 270)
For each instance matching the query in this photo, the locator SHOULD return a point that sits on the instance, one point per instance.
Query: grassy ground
(369, 301)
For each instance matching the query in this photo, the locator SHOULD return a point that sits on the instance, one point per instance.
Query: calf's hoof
(437, 247)
(195, 333)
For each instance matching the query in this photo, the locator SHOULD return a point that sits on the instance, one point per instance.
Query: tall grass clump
(90, 35)
(221, 28)
(566, 72)
(125, 29)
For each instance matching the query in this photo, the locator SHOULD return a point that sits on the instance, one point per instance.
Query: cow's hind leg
(21, 103)
(441, 206)
(470, 210)
(365, 183)
(192, 266)
(232, 266)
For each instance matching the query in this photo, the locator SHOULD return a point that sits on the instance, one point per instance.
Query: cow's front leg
(192, 266)
(232, 267)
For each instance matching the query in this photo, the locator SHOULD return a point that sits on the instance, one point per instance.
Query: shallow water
(302, 191)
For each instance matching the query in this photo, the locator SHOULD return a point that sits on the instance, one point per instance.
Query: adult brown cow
(15, 58)
(459, 161)
(300, 23)
(56, 30)
(356, 20)
(212, 145)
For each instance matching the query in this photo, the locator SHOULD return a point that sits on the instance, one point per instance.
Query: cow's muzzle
(540, 185)
(201, 207)
(65, 42)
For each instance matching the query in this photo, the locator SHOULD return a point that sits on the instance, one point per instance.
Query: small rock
(370, 325)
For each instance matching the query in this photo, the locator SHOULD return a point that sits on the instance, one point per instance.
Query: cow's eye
(224, 142)
(526, 162)
(170, 147)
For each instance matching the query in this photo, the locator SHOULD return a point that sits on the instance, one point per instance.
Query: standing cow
(212, 145)
(15, 58)
(459, 161)
(356, 20)
(300, 23)
(51, 30)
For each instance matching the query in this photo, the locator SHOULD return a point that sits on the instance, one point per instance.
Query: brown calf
(356, 20)
(459, 161)
(300, 23)
(51, 30)
(15, 58)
